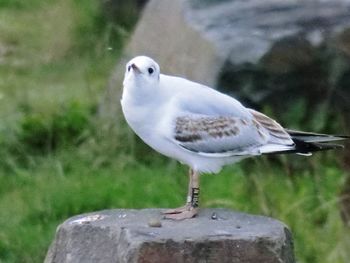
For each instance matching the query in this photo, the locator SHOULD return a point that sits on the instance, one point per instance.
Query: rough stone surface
(243, 31)
(125, 236)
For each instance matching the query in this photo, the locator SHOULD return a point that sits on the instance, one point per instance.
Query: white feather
(153, 103)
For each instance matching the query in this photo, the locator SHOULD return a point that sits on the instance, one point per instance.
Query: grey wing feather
(219, 125)
(220, 135)
(277, 133)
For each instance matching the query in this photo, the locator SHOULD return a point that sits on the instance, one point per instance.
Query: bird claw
(186, 212)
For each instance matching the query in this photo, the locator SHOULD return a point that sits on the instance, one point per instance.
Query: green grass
(36, 198)
(57, 160)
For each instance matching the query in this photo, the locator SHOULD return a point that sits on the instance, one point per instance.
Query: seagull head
(141, 71)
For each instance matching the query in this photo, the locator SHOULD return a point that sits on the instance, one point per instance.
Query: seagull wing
(218, 135)
(220, 127)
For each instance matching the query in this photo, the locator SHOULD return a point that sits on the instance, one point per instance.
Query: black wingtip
(309, 147)
(295, 133)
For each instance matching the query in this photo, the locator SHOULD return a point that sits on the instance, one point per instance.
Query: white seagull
(202, 127)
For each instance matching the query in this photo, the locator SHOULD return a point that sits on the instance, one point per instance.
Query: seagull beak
(135, 68)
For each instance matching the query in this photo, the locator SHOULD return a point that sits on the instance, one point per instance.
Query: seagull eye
(129, 67)
(150, 70)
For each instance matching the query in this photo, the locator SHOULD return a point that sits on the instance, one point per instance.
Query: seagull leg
(190, 209)
(188, 200)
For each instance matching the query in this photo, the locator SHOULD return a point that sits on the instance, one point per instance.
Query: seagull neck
(141, 96)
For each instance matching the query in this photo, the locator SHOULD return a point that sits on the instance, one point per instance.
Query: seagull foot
(177, 210)
(188, 213)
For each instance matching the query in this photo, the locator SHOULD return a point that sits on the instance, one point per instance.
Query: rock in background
(164, 34)
(208, 40)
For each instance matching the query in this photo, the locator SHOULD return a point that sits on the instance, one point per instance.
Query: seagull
(203, 128)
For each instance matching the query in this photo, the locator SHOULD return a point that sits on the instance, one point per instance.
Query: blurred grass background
(57, 161)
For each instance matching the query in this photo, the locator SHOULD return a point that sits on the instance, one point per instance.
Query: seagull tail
(308, 142)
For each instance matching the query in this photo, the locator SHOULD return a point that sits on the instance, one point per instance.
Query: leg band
(195, 197)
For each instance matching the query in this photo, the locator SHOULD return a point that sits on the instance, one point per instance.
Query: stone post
(215, 235)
